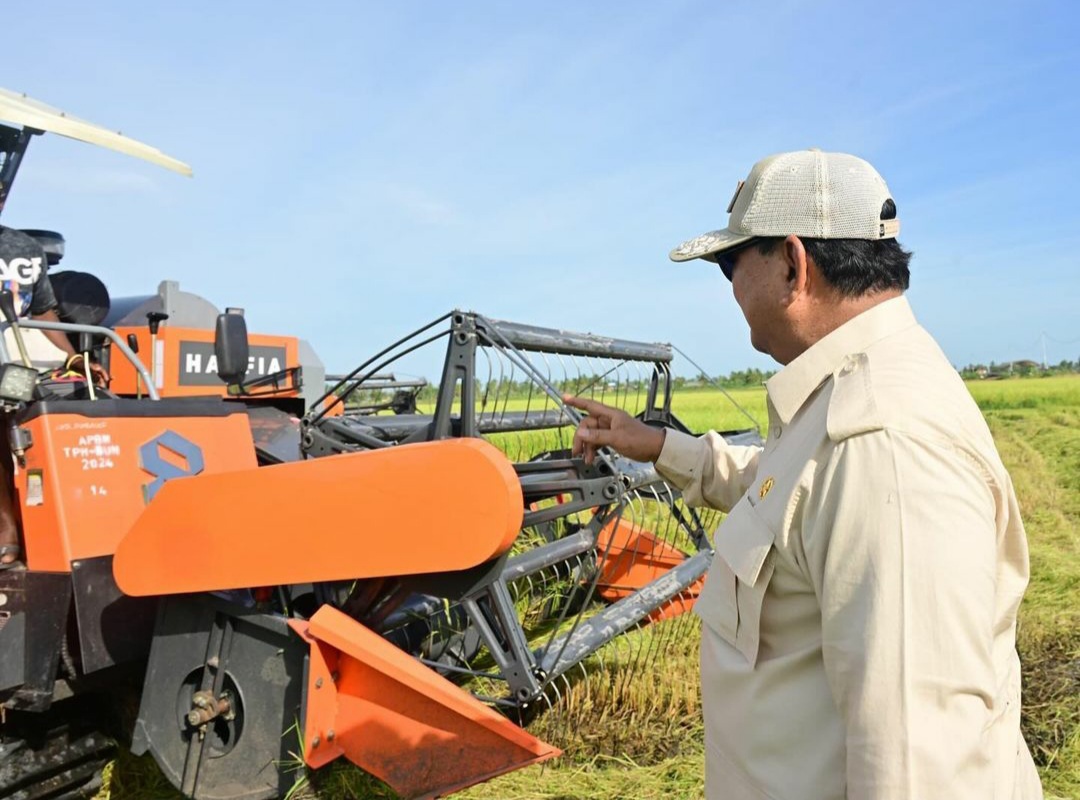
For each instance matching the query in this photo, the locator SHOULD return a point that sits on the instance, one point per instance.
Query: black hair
(855, 267)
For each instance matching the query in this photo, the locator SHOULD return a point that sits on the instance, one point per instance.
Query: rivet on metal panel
(318, 683)
(316, 742)
(330, 735)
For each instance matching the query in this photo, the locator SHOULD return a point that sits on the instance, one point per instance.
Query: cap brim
(708, 244)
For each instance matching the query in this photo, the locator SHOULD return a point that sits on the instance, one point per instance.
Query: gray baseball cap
(807, 193)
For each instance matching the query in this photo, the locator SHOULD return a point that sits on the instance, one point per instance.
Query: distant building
(1024, 366)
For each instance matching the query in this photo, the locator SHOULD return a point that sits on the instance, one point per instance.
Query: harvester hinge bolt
(330, 735)
(206, 708)
(334, 676)
(316, 742)
(318, 683)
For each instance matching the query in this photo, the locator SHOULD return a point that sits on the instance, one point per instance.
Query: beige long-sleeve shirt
(860, 613)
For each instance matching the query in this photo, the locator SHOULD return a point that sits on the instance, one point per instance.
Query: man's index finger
(593, 407)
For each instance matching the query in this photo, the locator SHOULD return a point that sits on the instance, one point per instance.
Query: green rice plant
(1061, 391)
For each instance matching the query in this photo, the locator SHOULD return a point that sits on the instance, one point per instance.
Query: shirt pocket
(734, 593)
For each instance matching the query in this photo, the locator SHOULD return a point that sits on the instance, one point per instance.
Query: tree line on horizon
(1024, 368)
(598, 385)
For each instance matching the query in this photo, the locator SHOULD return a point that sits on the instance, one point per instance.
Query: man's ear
(798, 273)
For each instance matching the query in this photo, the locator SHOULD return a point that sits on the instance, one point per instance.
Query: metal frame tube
(68, 327)
(548, 555)
(19, 138)
(553, 340)
(592, 634)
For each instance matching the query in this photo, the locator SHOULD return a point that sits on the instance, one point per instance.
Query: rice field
(1036, 423)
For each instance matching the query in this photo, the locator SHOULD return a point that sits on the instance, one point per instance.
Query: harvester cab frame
(35, 118)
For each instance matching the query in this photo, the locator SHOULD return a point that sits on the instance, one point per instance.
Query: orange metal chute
(406, 510)
(398, 720)
(630, 557)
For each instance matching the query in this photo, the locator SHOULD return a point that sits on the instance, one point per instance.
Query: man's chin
(763, 348)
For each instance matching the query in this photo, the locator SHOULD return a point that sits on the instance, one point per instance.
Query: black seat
(82, 297)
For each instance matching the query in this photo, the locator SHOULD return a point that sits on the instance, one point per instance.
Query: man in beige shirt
(860, 611)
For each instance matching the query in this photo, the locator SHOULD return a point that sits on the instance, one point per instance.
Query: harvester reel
(604, 549)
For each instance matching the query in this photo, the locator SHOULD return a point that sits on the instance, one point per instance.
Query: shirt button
(848, 368)
(777, 431)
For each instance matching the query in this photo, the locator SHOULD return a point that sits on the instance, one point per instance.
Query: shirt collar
(790, 387)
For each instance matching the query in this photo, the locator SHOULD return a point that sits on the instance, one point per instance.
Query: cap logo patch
(735, 196)
(766, 487)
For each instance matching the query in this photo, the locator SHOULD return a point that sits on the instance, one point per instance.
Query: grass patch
(131, 777)
(633, 707)
(1058, 391)
(1039, 440)
(709, 409)
(602, 778)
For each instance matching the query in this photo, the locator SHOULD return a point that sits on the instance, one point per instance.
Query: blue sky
(361, 168)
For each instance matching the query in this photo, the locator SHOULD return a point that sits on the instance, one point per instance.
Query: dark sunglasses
(726, 260)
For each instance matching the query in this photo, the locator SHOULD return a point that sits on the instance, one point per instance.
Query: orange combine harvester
(270, 566)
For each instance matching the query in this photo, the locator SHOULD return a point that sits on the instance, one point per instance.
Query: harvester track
(57, 755)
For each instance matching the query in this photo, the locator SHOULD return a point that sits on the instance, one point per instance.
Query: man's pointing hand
(612, 427)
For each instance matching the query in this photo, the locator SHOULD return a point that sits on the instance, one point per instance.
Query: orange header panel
(87, 479)
(411, 509)
(185, 365)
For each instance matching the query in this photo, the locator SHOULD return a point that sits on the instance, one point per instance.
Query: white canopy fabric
(22, 110)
